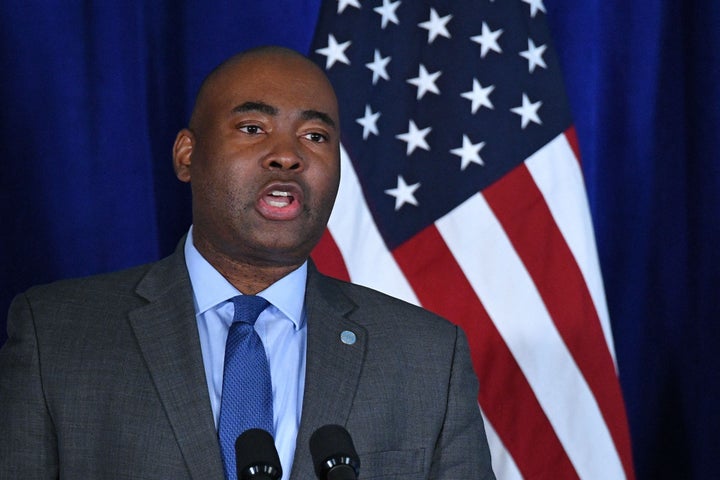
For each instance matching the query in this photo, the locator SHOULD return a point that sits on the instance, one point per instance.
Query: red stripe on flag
(505, 395)
(521, 209)
(328, 259)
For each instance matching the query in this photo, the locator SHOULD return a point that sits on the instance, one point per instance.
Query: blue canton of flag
(442, 96)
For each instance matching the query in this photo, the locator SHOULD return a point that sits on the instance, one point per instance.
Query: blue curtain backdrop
(93, 93)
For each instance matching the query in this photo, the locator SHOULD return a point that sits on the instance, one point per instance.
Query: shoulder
(58, 310)
(146, 279)
(93, 298)
(94, 309)
(84, 289)
(377, 310)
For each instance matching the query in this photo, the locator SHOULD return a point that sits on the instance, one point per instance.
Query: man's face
(263, 160)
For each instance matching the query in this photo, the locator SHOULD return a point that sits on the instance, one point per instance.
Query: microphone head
(332, 450)
(256, 456)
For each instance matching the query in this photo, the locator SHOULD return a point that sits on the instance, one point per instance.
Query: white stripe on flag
(558, 175)
(503, 464)
(502, 283)
(366, 257)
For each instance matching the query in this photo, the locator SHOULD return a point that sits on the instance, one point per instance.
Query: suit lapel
(166, 331)
(333, 366)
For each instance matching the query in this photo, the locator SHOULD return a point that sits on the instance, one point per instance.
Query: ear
(182, 154)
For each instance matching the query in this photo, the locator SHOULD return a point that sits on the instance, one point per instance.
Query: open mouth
(280, 201)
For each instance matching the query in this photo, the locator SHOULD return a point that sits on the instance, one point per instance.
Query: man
(121, 375)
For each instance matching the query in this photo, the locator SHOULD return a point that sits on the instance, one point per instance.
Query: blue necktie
(246, 400)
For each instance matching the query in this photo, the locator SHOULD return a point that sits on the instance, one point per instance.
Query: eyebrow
(261, 107)
(316, 115)
(267, 109)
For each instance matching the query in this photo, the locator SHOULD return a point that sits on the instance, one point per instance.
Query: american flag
(462, 191)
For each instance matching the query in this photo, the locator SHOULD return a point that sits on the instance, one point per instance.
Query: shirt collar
(211, 289)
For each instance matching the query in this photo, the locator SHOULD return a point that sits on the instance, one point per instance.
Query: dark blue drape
(643, 80)
(94, 92)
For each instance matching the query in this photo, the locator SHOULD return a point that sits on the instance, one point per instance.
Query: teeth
(279, 198)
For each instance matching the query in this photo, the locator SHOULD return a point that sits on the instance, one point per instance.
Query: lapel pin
(348, 337)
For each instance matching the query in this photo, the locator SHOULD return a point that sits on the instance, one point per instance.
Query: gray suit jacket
(102, 378)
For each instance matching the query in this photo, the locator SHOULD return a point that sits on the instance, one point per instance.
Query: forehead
(288, 82)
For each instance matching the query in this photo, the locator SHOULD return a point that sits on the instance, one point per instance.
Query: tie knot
(248, 308)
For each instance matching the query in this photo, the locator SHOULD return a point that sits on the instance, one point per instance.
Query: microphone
(256, 457)
(333, 453)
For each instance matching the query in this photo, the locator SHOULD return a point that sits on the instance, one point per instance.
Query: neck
(248, 276)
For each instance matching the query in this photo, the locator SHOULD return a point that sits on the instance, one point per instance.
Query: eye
(250, 129)
(316, 137)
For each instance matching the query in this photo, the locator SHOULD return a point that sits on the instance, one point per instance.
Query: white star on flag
(534, 55)
(469, 152)
(488, 40)
(535, 5)
(343, 4)
(369, 122)
(479, 96)
(415, 137)
(425, 82)
(335, 52)
(379, 66)
(528, 111)
(403, 193)
(387, 11)
(436, 25)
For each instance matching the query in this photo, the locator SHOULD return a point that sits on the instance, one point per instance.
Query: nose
(284, 155)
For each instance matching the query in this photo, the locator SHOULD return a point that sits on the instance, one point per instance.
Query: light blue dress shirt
(282, 328)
